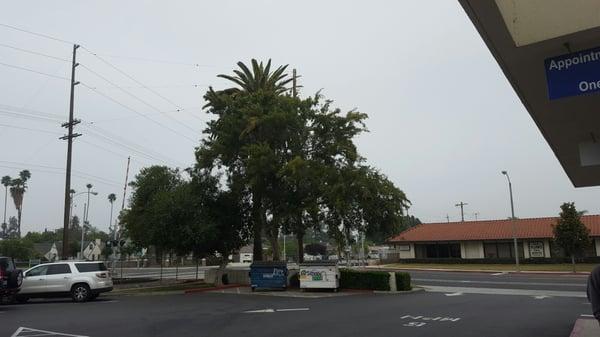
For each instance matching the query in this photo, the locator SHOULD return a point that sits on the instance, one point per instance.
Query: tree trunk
(300, 238)
(257, 253)
(19, 222)
(274, 240)
(573, 261)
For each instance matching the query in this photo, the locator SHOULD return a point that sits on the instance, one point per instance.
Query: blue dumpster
(268, 275)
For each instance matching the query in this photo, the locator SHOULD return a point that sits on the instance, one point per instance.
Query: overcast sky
(443, 119)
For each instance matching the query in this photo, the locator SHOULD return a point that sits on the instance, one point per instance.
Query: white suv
(80, 280)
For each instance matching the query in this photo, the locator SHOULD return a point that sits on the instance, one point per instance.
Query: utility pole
(69, 138)
(462, 211)
(294, 92)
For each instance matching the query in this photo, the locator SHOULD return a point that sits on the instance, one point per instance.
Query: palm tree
(111, 198)
(260, 78)
(6, 182)
(17, 191)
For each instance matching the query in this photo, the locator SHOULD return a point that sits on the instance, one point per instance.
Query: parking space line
(41, 333)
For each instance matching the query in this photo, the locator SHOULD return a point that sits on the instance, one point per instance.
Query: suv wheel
(80, 292)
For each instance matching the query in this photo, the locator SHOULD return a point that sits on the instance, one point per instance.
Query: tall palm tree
(6, 182)
(257, 79)
(111, 198)
(17, 191)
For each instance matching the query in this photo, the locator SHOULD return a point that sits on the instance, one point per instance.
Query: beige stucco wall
(546, 248)
(526, 249)
(597, 242)
(471, 250)
(406, 254)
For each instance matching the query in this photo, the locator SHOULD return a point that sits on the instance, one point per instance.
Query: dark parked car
(11, 278)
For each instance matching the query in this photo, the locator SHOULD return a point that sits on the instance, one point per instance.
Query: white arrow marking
(541, 297)
(294, 309)
(454, 294)
(258, 311)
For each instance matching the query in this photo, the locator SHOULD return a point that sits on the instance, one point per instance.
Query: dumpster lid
(319, 263)
(280, 264)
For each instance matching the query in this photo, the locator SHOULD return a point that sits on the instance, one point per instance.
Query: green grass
(586, 267)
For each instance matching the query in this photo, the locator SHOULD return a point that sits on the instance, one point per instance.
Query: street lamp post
(86, 212)
(514, 229)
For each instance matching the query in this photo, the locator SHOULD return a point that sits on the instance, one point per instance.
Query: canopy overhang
(525, 37)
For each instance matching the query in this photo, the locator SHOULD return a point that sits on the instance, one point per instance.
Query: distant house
(93, 250)
(244, 255)
(47, 251)
(488, 239)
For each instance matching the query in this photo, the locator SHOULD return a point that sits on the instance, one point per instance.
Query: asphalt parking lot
(212, 314)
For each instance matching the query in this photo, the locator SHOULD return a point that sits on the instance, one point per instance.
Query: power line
(80, 174)
(36, 34)
(33, 52)
(137, 112)
(115, 139)
(30, 129)
(136, 81)
(195, 65)
(137, 98)
(33, 71)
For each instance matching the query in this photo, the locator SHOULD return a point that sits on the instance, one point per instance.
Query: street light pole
(512, 212)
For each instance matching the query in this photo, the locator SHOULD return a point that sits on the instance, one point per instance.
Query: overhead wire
(34, 52)
(34, 33)
(137, 112)
(166, 99)
(137, 98)
(33, 71)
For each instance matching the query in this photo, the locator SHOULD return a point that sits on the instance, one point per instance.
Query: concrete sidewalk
(486, 271)
(585, 327)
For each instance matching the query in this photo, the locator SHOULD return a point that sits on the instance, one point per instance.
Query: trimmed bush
(403, 281)
(373, 280)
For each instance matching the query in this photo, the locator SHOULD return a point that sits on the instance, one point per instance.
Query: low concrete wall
(238, 275)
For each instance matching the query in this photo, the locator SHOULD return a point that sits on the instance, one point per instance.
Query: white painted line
(501, 291)
(541, 297)
(586, 315)
(503, 282)
(454, 294)
(501, 273)
(294, 309)
(41, 333)
(258, 311)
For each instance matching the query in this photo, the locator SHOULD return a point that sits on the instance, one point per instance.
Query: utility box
(319, 275)
(268, 275)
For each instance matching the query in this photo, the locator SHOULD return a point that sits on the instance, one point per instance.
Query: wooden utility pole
(124, 195)
(69, 138)
(294, 91)
(462, 211)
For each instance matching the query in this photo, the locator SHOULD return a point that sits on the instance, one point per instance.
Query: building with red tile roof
(487, 239)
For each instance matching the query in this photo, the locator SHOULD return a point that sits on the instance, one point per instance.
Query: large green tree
(570, 233)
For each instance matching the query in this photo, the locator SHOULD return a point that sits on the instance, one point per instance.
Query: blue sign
(573, 74)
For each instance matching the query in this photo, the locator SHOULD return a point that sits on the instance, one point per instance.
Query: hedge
(373, 280)
(403, 281)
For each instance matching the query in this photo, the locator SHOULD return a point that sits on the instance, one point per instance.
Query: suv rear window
(6, 264)
(90, 267)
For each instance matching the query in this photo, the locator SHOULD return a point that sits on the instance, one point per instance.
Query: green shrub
(374, 280)
(403, 281)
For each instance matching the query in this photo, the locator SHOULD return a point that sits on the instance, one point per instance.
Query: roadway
(490, 305)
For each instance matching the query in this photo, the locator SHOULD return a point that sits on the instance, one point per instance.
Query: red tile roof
(489, 230)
